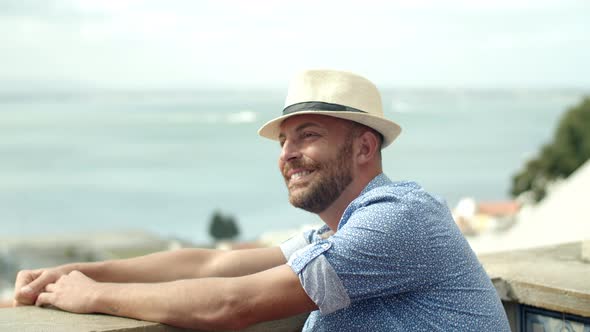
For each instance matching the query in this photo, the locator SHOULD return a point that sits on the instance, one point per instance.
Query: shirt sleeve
(381, 250)
(303, 239)
(318, 278)
(293, 244)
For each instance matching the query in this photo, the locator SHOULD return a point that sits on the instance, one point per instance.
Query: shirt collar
(378, 181)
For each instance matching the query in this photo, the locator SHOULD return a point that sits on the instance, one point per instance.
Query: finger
(36, 286)
(44, 299)
(23, 278)
(50, 288)
(28, 293)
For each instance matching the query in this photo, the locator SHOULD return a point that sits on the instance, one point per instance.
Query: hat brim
(389, 129)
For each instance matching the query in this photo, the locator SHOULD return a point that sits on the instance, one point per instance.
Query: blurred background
(124, 119)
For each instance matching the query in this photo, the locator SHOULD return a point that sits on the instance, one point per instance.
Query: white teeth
(298, 175)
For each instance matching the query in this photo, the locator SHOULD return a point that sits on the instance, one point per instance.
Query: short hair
(357, 129)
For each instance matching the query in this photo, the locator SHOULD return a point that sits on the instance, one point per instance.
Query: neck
(332, 215)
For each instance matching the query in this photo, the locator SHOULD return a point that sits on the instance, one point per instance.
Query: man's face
(316, 160)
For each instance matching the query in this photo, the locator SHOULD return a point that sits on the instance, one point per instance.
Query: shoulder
(398, 198)
(400, 210)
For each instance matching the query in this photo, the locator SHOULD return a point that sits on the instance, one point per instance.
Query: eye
(308, 134)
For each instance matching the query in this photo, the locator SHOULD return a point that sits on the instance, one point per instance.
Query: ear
(367, 143)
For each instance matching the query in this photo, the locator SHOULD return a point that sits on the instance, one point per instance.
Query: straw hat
(334, 93)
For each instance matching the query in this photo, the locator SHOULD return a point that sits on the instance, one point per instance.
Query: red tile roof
(500, 208)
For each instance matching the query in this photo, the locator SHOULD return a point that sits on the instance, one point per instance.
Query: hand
(30, 283)
(72, 292)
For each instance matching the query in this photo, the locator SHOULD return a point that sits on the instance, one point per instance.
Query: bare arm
(184, 264)
(207, 303)
(157, 267)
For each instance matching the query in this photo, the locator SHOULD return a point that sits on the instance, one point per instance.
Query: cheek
(281, 164)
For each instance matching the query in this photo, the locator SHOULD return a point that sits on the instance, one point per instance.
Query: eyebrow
(301, 127)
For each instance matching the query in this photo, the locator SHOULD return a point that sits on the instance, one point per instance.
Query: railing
(553, 279)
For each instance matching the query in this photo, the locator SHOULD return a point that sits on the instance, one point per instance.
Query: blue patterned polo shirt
(396, 263)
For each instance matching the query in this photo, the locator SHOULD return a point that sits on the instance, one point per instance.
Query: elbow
(228, 313)
(234, 314)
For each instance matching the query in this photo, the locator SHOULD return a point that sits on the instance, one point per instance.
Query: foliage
(569, 149)
(223, 227)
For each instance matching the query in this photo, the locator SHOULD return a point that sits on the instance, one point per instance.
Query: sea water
(164, 161)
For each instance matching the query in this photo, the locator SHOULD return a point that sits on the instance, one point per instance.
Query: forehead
(323, 121)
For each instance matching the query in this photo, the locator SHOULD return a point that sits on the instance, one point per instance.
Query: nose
(289, 152)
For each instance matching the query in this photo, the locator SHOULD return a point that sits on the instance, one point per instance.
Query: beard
(332, 178)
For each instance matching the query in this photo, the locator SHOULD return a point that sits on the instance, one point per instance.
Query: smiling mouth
(299, 176)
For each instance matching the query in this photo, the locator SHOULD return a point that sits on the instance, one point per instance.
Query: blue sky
(407, 43)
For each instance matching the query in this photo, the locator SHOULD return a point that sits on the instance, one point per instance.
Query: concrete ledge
(33, 319)
(554, 278)
(586, 251)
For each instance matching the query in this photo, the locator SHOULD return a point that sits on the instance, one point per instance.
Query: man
(389, 257)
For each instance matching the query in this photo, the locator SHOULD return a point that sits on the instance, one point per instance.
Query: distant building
(475, 218)
(562, 216)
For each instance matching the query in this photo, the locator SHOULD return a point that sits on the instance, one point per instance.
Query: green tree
(569, 149)
(223, 227)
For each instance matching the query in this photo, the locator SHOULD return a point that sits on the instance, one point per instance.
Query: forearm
(195, 303)
(205, 303)
(151, 268)
(156, 267)
(182, 264)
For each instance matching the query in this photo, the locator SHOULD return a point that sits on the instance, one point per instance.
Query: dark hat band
(319, 106)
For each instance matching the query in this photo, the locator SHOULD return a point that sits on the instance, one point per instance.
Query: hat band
(319, 106)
